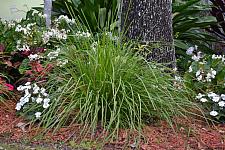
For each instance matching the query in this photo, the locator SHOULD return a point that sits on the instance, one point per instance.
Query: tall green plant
(95, 14)
(104, 82)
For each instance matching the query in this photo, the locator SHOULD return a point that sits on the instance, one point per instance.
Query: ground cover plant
(206, 76)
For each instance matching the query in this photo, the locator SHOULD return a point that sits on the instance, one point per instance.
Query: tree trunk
(150, 21)
(47, 12)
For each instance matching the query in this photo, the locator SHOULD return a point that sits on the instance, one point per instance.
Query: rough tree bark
(150, 21)
(47, 12)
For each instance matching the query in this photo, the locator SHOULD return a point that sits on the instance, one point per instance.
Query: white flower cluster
(10, 24)
(213, 97)
(82, 34)
(61, 62)
(42, 15)
(24, 47)
(203, 76)
(33, 57)
(196, 57)
(54, 54)
(35, 94)
(54, 33)
(63, 17)
(222, 57)
(26, 30)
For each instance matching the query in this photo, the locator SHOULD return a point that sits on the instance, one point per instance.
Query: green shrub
(189, 24)
(206, 76)
(104, 82)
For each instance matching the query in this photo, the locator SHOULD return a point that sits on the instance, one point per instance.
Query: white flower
(39, 100)
(221, 103)
(42, 91)
(33, 99)
(190, 69)
(46, 100)
(197, 73)
(53, 55)
(20, 88)
(36, 89)
(199, 96)
(61, 62)
(178, 78)
(33, 57)
(203, 100)
(83, 34)
(45, 94)
(213, 72)
(28, 83)
(38, 114)
(208, 77)
(223, 96)
(199, 78)
(63, 17)
(213, 113)
(45, 105)
(195, 58)
(190, 50)
(18, 106)
(216, 98)
(211, 94)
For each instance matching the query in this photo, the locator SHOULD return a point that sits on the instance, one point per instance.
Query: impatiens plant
(5, 88)
(33, 96)
(25, 45)
(206, 75)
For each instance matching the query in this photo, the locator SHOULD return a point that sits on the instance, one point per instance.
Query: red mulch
(190, 135)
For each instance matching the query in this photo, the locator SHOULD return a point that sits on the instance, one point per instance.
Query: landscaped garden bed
(190, 134)
(76, 84)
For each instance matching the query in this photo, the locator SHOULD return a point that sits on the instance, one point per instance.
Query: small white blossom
(223, 96)
(199, 96)
(38, 114)
(39, 100)
(53, 55)
(221, 103)
(190, 69)
(213, 113)
(36, 89)
(216, 98)
(18, 106)
(33, 57)
(46, 105)
(197, 73)
(61, 62)
(203, 100)
(199, 78)
(190, 50)
(83, 34)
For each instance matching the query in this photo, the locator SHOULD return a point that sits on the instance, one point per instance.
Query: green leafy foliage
(189, 23)
(95, 14)
(207, 77)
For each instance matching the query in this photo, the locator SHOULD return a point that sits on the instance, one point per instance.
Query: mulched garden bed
(190, 134)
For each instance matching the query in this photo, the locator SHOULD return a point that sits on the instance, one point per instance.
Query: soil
(192, 134)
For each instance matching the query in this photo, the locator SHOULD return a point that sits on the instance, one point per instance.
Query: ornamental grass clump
(105, 83)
